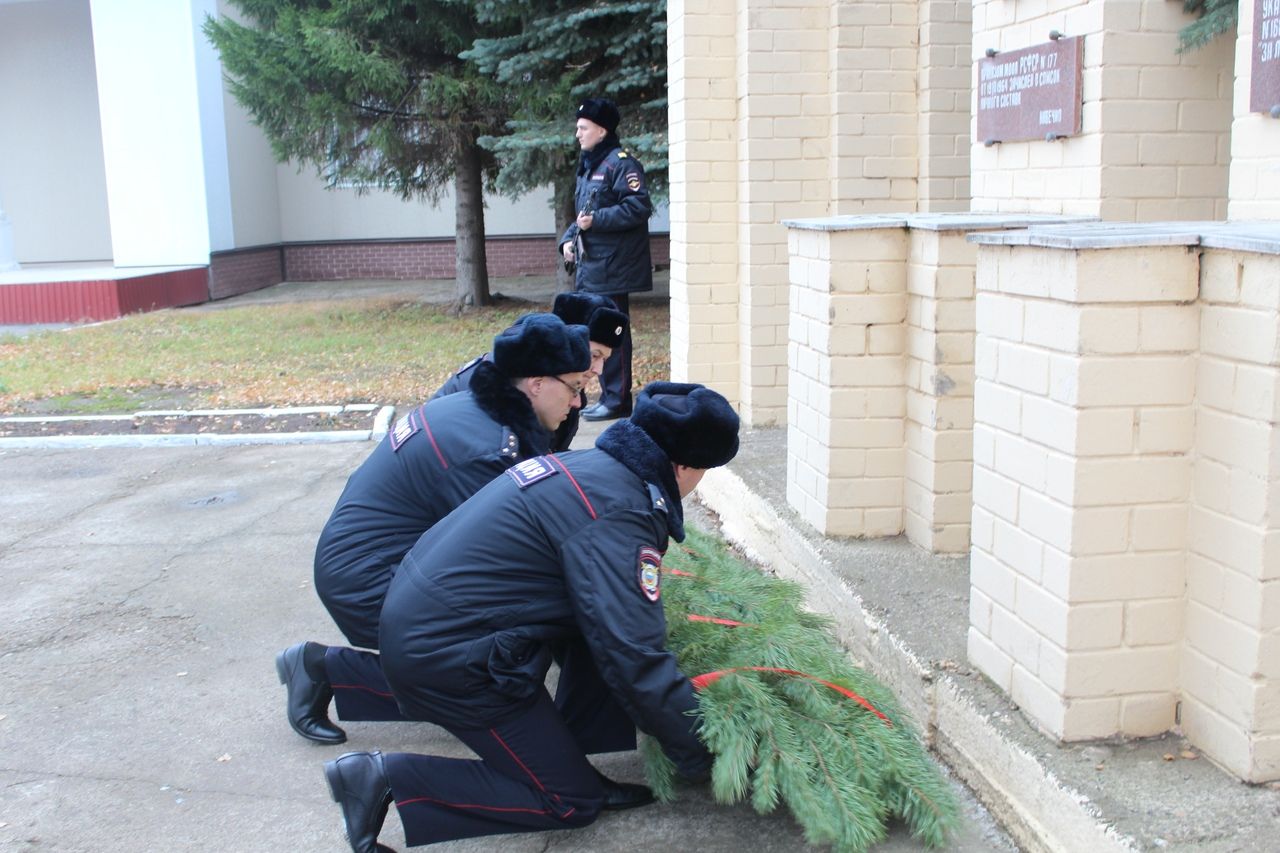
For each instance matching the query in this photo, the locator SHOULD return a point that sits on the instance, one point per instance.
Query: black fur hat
(602, 111)
(576, 307)
(606, 324)
(607, 327)
(692, 424)
(541, 345)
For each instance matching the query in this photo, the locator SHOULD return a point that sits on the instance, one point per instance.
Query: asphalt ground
(147, 591)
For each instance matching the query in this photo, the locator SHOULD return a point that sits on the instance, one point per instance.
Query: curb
(381, 423)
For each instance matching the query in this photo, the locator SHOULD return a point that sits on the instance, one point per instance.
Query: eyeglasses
(576, 390)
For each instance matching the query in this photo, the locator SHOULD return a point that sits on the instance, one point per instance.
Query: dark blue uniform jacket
(616, 257)
(433, 459)
(559, 547)
(461, 381)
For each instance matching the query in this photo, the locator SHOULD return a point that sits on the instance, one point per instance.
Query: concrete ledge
(381, 423)
(1260, 237)
(960, 221)
(190, 440)
(903, 613)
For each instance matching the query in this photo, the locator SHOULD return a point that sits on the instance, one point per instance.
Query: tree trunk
(564, 215)
(468, 189)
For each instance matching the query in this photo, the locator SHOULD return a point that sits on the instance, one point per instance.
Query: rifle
(580, 246)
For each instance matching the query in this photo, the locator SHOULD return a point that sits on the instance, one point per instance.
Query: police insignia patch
(649, 573)
(531, 471)
(633, 182)
(405, 429)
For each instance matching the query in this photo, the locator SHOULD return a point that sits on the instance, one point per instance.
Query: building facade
(122, 150)
(1006, 273)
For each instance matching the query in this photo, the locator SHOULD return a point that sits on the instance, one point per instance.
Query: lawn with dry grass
(308, 353)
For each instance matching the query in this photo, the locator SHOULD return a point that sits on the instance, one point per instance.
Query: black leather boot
(358, 782)
(623, 795)
(307, 702)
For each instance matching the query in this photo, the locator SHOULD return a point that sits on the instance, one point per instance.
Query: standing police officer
(609, 240)
(435, 457)
(561, 550)
(605, 326)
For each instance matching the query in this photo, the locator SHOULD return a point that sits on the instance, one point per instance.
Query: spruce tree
(787, 717)
(555, 54)
(1215, 17)
(373, 92)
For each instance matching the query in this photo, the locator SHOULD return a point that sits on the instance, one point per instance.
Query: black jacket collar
(593, 158)
(633, 447)
(507, 405)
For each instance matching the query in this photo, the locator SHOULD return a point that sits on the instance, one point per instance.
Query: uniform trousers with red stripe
(532, 775)
(583, 700)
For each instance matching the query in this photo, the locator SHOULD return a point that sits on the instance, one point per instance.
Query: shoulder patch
(633, 182)
(406, 428)
(649, 572)
(530, 471)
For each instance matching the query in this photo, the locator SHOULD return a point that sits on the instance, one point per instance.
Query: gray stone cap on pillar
(1260, 237)
(959, 221)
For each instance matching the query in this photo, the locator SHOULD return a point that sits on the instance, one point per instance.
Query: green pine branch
(1214, 17)
(841, 769)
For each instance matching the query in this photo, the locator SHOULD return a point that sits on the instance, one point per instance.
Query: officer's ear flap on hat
(695, 426)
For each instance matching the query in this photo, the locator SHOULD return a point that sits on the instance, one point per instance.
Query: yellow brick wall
(939, 390)
(704, 193)
(1083, 428)
(1156, 124)
(846, 401)
(1230, 661)
(945, 37)
(783, 109)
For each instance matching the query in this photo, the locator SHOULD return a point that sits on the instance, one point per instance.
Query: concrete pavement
(146, 593)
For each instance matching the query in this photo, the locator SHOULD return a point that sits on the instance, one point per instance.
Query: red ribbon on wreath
(717, 620)
(701, 681)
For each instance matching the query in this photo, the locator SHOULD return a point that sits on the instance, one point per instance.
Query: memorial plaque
(1032, 93)
(1264, 85)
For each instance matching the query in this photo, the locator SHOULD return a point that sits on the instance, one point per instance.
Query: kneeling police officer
(434, 458)
(560, 551)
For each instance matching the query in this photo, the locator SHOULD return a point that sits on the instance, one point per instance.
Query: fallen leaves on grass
(359, 351)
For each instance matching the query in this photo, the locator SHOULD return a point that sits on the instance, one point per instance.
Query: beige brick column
(1231, 656)
(939, 386)
(875, 117)
(1083, 427)
(704, 193)
(846, 398)
(946, 39)
(783, 132)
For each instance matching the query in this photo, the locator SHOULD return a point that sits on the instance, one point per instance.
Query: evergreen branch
(841, 770)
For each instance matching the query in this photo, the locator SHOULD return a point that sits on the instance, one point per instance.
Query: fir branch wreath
(787, 716)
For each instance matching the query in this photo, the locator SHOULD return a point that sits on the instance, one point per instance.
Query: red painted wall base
(103, 299)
